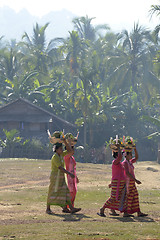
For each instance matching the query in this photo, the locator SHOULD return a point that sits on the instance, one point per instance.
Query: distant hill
(13, 24)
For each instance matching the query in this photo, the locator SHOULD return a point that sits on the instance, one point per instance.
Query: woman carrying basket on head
(117, 186)
(58, 193)
(132, 193)
(70, 163)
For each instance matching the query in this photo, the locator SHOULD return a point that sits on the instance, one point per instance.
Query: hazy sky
(113, 12)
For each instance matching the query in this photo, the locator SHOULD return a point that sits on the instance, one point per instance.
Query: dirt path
(26, 184)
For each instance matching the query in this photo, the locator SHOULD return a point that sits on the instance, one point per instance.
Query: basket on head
(57, 137)
(70, 138)
(129, 144)
(113, 144)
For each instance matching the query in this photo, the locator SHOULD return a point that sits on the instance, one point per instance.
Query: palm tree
(85, 99)
(86, 30)
(74, 47)
(134, 62)
(38, 51)
(155, 10)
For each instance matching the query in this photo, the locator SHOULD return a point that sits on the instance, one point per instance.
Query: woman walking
(117, 187)
(58, 193)
(72, 182)
(132, 193)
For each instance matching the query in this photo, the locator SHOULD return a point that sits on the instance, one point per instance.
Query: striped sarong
(113, 202)
(132, 198)
(58, 193)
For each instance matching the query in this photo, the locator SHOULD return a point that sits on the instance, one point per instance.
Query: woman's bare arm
(132, 177)
(67, 172)
(68, 147)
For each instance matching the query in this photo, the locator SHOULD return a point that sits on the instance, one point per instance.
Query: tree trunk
(85, 131)
(90, 135)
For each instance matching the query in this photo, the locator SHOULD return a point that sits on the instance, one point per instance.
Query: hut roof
(21, 109)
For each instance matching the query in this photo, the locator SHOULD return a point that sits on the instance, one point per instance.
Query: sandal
(114, 214)
(142, 215)
(49, 212)
(66, 210)
(101, 214)
(75, 210)
(128, 215)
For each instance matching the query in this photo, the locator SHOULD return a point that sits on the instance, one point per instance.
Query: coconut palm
(73, 47)
(85, 98)
(134, 62)
(39, 53)
(86, 30)
(155, 10)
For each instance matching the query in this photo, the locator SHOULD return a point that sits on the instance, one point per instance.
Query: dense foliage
(106, 83)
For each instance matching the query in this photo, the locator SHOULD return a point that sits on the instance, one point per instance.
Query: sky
(115, 13)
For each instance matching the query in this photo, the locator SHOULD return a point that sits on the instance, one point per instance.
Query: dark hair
(71, 147)
(115, 154)
(56, 146)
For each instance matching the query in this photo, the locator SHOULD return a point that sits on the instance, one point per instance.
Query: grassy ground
(23, 191)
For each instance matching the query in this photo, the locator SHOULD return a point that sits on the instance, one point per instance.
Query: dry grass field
(23, 192)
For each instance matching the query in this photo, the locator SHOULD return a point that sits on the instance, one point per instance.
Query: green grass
(23, 193)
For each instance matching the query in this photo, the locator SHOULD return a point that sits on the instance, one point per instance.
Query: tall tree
(155, 10)
(39, 52)
(134, 62)
(85, 99)
(85, 28)
(74, 47)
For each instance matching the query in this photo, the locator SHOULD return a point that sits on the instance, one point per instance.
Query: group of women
(124, 194)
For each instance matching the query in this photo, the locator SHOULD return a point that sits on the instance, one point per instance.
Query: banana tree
(10, 141)
(20, 86)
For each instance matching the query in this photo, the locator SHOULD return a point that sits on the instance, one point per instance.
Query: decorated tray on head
(114, 144)
(70, 138)
(129, 144)
(56, 137)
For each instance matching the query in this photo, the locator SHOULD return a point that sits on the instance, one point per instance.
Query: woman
(117, 187)
(72, 182)
(132, 193)
(58, 193)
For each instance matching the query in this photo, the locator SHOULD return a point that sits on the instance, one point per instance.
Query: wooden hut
(31, 120)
